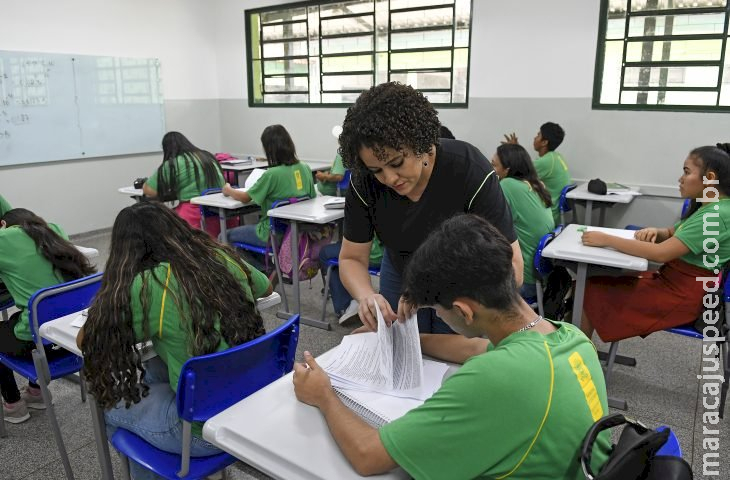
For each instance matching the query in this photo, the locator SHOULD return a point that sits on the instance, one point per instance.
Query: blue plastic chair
(332, 263)
(685, 207)
(45, 305)
(543, 267)
(565, 205)
(208, 385)
(344, 184)
(5, 305)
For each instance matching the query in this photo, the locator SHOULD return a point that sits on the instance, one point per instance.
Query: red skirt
(629, 306)
(191, 214)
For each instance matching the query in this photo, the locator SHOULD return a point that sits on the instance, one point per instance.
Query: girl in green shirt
(177, 287)
(33, 255)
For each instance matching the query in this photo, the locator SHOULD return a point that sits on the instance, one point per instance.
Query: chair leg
(125, 466)
(82, 386)
(540, 306)
(278, 271)
(611, 360)
(725, 359)
(5, 315)
(3, 432)
(326, 291)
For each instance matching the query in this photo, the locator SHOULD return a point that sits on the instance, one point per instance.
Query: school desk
(243, 170)
(226, 207)
(309, 211)
(135, 193)
(62, 333)
(284, 438)
(581, 194)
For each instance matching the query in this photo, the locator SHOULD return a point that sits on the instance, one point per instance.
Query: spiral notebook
(375, 408)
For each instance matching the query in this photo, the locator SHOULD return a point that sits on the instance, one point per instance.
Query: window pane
(461, 70)
(396, 4)
(669, 98)
(611, 81)
(346, 8)
(339, 97)
(284, 15)
(671, 76)
(463, 23)
(430, 38)
(282, 84)
(280, 67)
(282, 32)
(413, 60)
(616, 16)
(285, 49)
(676, 50)
(424, 79)
(677, 25)
(725, 86)
(347, 82)
(438, 97)
(347, 44)
(646, 5)
(382, 18)
(347, 64)
(424, 18)
(348, 25)
(381, 68)
(286, 98)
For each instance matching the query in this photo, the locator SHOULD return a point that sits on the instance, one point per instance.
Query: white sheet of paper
(616, 232)
(80, 320)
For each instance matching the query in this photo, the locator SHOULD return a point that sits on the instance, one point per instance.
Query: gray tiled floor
(662, 389)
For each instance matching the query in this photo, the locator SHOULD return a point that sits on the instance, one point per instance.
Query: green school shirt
(376, 251)
(553, 171)
(4, 206)
(330, 188)
(187, 187)
(24, 271)
(482, 422)
(167, 329)
(711, 221)
(280, 183)
(532, 220)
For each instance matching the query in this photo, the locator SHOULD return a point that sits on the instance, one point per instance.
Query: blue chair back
(344, 184)
(671, 448)
(544, 266)
(211, 383)
(206, 211)
(685, 205)
(563, 204)
(60, 300)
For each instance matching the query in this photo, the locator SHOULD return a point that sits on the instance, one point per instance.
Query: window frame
(600, 61)
(374, 52)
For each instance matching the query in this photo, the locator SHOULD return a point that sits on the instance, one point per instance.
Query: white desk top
(309, 211)
(88, 252)
(135, 192)
(568, 246)
(62, 333)
(274, 432)
(318, 164)
(581, 193)
(219, 200)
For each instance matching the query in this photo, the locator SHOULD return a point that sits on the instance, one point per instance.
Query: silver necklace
(531, 324)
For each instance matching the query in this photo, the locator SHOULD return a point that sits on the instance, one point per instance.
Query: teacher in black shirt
(406, 182)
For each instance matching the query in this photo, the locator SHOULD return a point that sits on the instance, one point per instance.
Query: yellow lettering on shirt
(298, 179)
(586, 384)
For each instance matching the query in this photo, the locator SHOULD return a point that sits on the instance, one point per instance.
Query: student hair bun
(725, 147)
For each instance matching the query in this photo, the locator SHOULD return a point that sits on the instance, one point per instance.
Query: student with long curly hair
(177, 287)
(405, 183)
(185, 172)
(33, 255)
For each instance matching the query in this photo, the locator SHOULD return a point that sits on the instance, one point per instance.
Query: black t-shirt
(462, 181)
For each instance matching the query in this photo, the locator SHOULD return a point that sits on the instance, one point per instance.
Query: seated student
(327, 181)
(33, 255)
(285, 178)
(550, 165)
(521, 403)
(176, 286)
(530, 203)
(627, 306)
(186, 171)
(4, 206)
(345, 306)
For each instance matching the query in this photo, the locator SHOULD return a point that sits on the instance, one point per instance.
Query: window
(328, 52)
(663, 55)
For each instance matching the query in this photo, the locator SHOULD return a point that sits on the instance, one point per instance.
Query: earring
(425, 164)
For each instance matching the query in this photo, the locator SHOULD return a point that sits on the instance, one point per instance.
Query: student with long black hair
(179, 288)
(33, 255)
(186, 171)
(530, 203)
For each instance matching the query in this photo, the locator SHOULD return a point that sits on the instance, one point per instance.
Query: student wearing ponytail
(33, 255)
(530, 203)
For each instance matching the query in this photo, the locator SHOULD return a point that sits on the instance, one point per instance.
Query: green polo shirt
(169, 316)
(330, 188)
(185, 167)
(703, 231)
(24, 271)
(519, 410)
(4, 206)
(280, 183)
(553, 171)
(532, 220)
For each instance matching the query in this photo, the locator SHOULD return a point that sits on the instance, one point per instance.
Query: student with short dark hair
(519, 406)
(33, 255)
(327, 181)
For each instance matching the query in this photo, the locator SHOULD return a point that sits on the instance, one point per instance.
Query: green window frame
(326, 52)
(663, 55)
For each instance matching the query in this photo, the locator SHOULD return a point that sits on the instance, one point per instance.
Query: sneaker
(33, 400)
(350, 312)
(17, 413)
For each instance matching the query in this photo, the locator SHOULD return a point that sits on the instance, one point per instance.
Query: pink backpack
(311, 241)
(228, 175)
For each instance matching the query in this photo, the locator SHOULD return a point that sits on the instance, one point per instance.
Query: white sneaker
(350, 312)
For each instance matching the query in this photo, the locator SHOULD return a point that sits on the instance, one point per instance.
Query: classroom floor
(662, 389)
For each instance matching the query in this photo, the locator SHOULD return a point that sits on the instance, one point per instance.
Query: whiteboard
(60, 107)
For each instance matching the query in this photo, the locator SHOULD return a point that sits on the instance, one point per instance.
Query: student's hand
(367, 313)
(227, 189)
(311, 384)
(319, 176)
(596, 239)
(361, 329)
(647, 235)
(405, 310)
(510, 138)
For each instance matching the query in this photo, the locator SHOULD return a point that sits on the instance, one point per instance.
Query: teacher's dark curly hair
(388, 115)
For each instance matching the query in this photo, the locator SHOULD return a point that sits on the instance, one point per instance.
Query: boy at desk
(521, 403)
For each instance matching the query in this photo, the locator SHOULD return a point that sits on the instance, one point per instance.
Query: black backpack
(556, 301)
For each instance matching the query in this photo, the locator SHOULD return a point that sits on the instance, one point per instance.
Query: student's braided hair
(145, 235)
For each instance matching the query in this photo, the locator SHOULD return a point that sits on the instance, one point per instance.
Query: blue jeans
(246, 234)
(341, 298)
(390, 288)
(155, 420)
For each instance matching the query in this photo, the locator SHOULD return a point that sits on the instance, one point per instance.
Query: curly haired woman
(406, 182)
(177, 287)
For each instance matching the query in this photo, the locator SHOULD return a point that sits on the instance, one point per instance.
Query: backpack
(230, 176)
(557, 286)
(311, 240)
